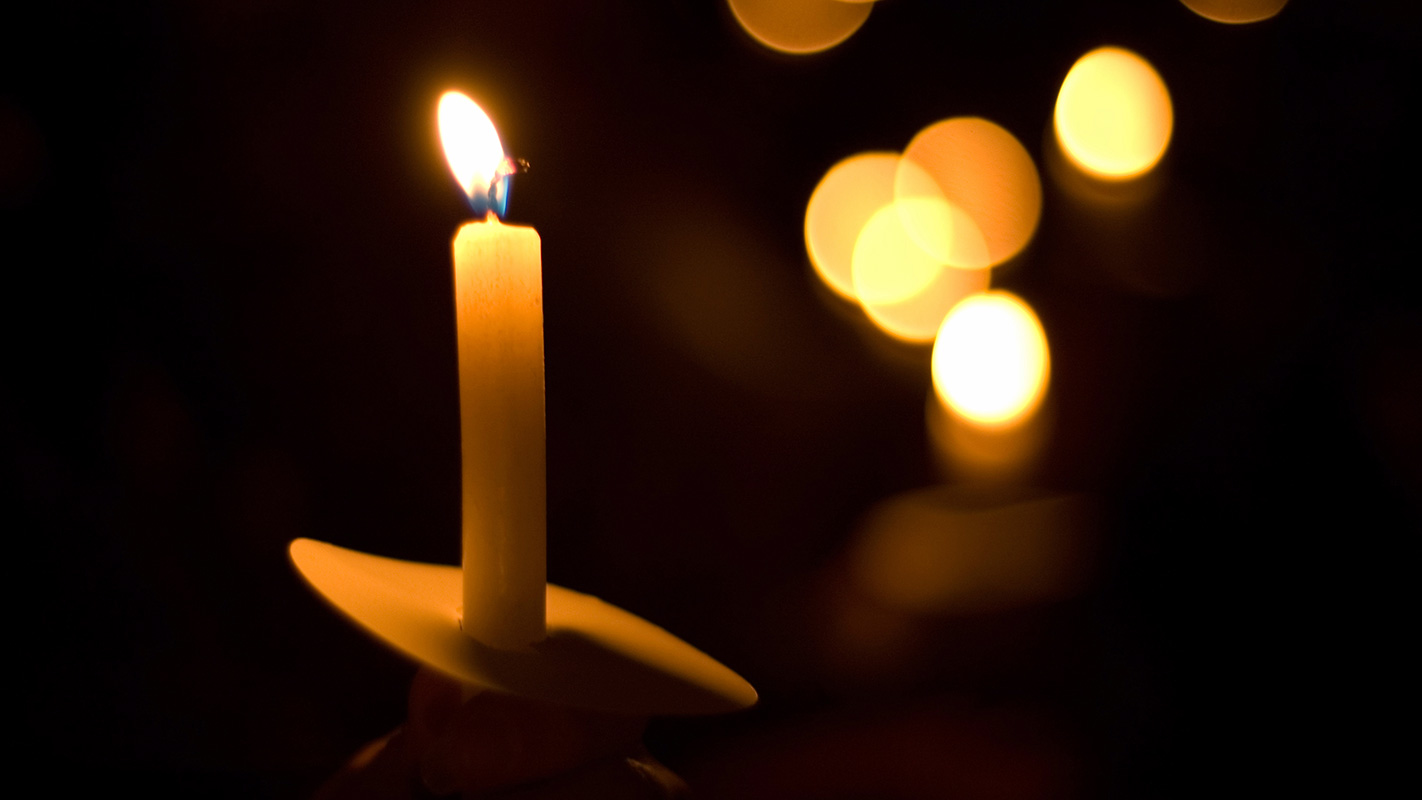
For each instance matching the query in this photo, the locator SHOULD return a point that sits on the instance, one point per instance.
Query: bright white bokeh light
(990, 360)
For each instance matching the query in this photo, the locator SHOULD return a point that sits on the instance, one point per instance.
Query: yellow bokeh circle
(843, 201)
(1113, 117)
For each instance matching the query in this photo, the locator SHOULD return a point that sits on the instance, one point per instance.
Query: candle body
(498, 290)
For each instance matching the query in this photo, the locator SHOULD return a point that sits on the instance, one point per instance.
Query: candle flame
(474, 152)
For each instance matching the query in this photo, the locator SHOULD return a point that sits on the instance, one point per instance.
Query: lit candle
(498, 294)
(478, 623)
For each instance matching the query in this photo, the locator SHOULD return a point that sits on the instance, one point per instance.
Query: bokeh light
(904, 290)
(940, 227)
(962, 550)
(987, 191)
(990, 361)
(1236, 12)
(846, 197)
(966, 451)
(1093, 193)
(1113, 116)
(800, 26)
(888, 265)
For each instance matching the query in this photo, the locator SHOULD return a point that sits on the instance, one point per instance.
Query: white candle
(498, 291)
(593, 656)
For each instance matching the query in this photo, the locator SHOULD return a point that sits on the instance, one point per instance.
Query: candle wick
(493, 200)
(511, 166)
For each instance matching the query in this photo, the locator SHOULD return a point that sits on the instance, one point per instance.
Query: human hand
(493, 744)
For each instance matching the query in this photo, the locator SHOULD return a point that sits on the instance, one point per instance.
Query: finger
(621, 777)
(382, 770)
(494, 740)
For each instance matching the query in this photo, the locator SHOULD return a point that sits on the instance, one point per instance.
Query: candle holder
(596, 656)
(495, 622)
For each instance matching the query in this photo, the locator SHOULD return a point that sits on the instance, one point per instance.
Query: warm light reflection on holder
(595, 655)
(529, 638)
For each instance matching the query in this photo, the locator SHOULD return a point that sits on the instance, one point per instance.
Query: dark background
(228, 320)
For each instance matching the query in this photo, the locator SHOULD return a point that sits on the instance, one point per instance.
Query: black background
(226, 238)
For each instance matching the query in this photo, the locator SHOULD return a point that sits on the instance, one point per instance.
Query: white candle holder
(595, 656)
